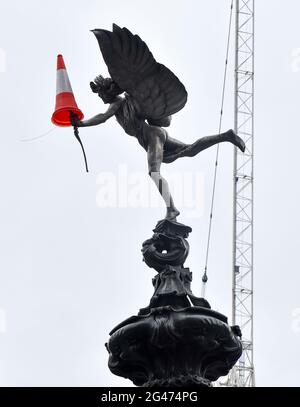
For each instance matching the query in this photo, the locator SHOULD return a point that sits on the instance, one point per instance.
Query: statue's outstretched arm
(99, 118)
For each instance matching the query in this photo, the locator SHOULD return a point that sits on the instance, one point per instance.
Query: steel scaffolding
(242, 374)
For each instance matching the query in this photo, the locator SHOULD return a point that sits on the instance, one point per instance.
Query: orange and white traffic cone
(66, 106)
(65, 100)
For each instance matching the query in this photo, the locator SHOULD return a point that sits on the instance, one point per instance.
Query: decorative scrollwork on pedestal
(166, 252)
(177, 340)
(168, 246)
(168, 347)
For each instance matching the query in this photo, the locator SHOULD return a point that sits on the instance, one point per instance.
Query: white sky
(71, 270)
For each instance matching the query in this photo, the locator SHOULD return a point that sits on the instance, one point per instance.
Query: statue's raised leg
(175, 149)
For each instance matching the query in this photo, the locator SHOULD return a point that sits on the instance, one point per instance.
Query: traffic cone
(65, 100)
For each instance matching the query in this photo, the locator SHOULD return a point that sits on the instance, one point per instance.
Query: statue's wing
(156, 91)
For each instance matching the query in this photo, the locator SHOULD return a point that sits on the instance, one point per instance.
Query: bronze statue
(152, 94)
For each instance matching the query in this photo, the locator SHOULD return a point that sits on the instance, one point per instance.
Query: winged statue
(143, 95)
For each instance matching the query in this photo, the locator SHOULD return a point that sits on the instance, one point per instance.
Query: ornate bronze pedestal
(177, 340)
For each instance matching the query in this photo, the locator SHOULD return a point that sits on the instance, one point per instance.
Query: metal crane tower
(242, 374)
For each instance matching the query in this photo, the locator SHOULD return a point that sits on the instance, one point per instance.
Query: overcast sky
(71, 268)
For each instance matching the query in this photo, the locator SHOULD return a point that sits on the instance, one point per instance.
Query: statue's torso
(127, 117)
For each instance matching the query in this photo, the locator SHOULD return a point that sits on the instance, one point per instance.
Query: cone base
(61, 117)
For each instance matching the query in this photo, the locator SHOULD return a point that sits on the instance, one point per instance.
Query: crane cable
(204, 277)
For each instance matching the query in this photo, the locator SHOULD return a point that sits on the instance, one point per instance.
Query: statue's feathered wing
(156, 91)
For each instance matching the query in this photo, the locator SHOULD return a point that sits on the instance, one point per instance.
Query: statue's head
(106, 88)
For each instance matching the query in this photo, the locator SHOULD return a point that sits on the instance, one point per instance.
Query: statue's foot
(172, 213)
(235, 139)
